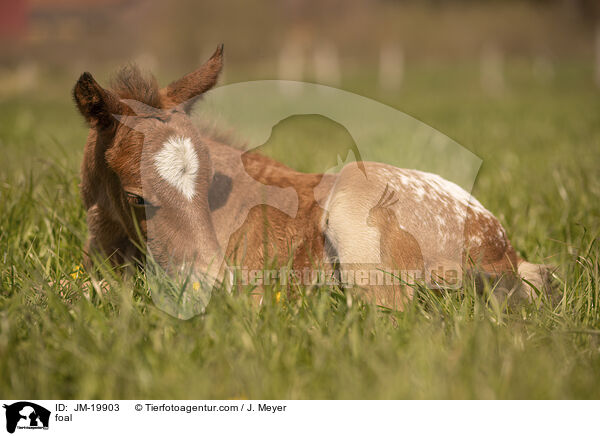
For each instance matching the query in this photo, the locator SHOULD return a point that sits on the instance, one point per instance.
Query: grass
(540, 143)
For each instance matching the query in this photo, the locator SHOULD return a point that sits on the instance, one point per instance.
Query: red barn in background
(14, 16)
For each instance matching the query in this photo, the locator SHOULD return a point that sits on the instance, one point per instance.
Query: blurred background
(360, 45)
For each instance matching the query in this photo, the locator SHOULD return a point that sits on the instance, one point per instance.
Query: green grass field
(540, 144)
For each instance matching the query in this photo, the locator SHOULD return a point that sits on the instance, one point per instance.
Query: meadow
(540, 144)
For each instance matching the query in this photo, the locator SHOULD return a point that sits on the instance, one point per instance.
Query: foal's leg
(364, 265)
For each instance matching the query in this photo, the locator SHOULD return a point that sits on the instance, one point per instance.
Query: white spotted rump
(177, 163)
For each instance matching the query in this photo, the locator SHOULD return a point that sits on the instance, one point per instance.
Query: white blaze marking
(177, 163)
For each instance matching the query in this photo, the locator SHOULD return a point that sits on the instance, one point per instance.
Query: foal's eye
(135, 200)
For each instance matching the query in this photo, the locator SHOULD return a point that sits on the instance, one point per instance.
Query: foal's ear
(97, 105)
(185, 91)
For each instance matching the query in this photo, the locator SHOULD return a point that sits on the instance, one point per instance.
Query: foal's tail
(536, 279)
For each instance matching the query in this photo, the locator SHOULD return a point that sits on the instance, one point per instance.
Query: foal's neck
(253, 171)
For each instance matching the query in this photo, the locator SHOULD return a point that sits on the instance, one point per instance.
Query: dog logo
(26, 415)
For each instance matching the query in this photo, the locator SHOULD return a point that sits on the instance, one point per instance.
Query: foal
(150, 178)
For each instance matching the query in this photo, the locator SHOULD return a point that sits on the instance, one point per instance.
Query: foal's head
(146, 170)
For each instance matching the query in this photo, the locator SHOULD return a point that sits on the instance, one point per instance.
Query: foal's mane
(131, 84)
